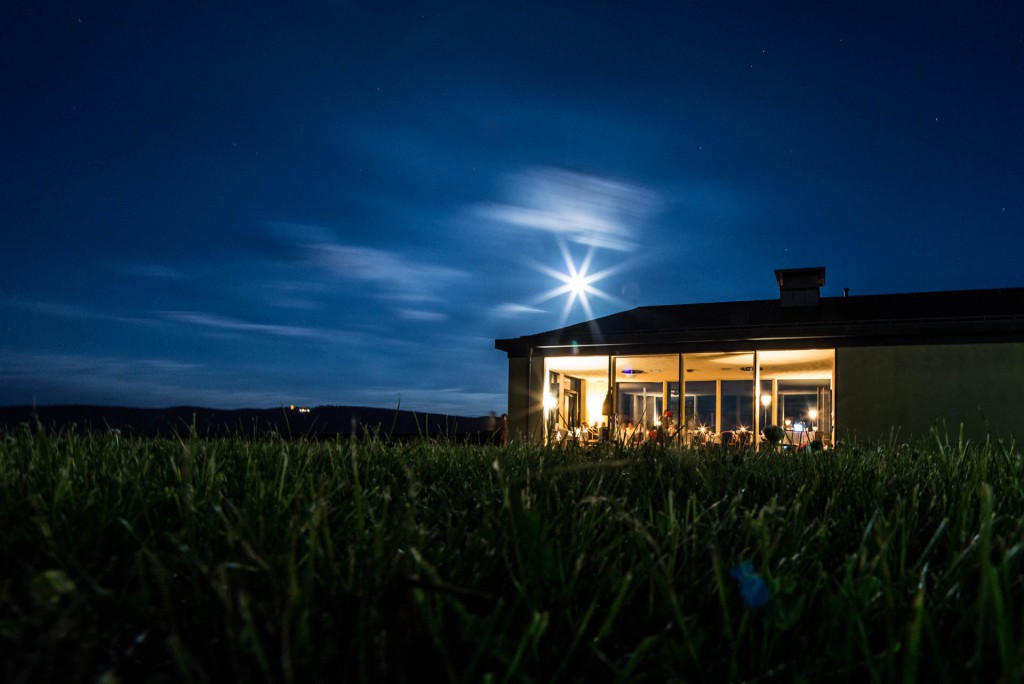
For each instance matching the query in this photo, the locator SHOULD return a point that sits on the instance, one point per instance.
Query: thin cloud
(222, 323)
(391, 276)
(585, 209)
(419, 315)
(509, 309)
(294, 303)
(148, 270)
(16, 365)
(73, 311)
(62, 378)
(397, 276)
(62, 310)
(300, 295)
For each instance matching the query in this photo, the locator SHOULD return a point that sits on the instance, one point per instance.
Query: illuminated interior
(719, 401)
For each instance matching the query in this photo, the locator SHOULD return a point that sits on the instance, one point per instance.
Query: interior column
(757, 399)
(718, 407)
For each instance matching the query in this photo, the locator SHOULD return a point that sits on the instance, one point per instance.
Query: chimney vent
(800, 286)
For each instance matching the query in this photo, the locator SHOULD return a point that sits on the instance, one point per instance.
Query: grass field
(218, 560)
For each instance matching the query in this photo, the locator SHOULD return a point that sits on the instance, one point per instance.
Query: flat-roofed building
(821, 368)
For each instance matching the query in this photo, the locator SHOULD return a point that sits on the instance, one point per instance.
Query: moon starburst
(577, 282)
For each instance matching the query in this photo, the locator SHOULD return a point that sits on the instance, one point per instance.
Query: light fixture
(813, 414)
(766, 401)
(549, 402)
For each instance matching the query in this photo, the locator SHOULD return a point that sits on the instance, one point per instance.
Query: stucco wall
(520, 402)
(916, 387)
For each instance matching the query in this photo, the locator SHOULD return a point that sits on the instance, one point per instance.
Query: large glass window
(715, 394)
(640, 403)
(700, 405)
(737, 404)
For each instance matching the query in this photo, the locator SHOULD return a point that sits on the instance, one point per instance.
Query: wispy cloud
(222, 323)
(421, 315)
(295, 303)
(73, 311)
(72, 378)
(397, 276)
(150, 270)
(509, 309)
(585, 209)
(14, 365)
(62, 310)
(389, 275)
(301, 295)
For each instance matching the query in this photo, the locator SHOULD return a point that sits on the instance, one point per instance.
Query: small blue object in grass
(753, 588)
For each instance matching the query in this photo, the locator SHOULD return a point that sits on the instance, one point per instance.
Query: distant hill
(318, 422)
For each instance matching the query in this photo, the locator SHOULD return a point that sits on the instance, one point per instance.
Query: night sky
(257, 204)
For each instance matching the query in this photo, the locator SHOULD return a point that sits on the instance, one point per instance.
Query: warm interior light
(549, 402)
(766, 399)
(813, 413)
(595, 404)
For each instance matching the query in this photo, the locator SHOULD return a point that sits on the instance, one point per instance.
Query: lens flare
(577, 282)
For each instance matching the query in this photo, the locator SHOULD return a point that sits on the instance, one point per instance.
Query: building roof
(915, 318)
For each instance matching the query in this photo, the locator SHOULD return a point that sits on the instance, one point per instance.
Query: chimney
(800, 286)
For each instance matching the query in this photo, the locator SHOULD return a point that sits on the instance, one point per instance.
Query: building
(873, 367)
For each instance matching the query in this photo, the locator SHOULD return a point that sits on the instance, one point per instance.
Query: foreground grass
(204, 560)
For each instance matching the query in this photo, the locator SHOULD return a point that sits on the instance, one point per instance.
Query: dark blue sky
(257, 204)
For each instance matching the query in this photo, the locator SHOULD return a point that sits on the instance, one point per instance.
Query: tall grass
(203, 560)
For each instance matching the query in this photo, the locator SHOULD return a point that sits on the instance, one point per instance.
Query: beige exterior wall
(525, 399)
(916, 387)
